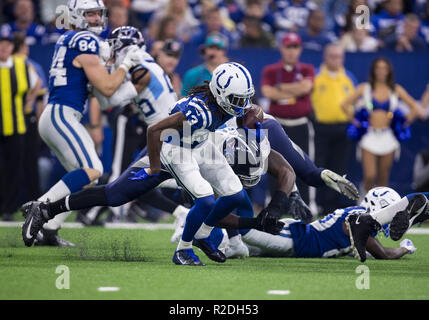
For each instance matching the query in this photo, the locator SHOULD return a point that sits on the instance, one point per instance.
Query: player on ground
(75, 64)
(304, 168)
(347, 230)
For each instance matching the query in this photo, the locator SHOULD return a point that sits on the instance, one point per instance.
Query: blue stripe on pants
(57, 127)
(76, 136)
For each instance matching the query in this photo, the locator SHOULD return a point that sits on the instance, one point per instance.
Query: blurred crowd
(401, 25)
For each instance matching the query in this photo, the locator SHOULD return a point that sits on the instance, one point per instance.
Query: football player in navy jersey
(75, 64)
(180, 142)
(347, 230)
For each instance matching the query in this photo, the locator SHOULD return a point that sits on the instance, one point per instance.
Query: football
(255, 114)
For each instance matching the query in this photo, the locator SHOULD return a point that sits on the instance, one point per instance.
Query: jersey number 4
(57, 70)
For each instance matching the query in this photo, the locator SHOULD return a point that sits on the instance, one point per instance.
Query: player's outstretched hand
(408, 244)
(268, 223)
(298, 208)
(340, 184)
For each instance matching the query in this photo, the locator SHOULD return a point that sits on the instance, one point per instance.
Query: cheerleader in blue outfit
(378, 123)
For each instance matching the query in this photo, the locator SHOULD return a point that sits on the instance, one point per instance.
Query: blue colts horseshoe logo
(227, 82)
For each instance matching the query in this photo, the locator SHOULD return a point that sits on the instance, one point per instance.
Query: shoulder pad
(85, 42)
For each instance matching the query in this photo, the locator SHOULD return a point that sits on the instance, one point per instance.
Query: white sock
(203, 232)
(386, 215)
(180, 211)
(57, 221)
(184, 245)
(57, 192)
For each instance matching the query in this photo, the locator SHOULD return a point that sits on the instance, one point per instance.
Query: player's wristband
(125, 67)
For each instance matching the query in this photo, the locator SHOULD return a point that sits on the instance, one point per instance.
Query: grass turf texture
(139, 263)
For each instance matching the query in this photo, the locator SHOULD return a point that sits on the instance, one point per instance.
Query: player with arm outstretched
(75, 64)
(346, 230)
(150, 91)
(304, 168)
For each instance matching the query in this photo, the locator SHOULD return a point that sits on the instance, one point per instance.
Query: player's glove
(408, 244)
(133, 57)
(105, 52)
(141, 175)
(340, 184)
(298, 208)
(268, 223)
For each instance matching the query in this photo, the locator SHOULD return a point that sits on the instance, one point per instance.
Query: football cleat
(50, 238)
(186, 257)
(209, 249)
(360, 227)
(236, 249)
(417, 211)
(36, 215)
(340, 184)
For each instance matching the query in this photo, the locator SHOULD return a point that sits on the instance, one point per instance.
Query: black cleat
(207, 247)
(360, 227)
(417, 211)
(186, 257)
(36, 215)
(50, 238)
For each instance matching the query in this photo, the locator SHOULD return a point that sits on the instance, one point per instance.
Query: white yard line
(150, 226)
(77, 225)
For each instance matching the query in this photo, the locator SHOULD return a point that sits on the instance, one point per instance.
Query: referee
(17, 83)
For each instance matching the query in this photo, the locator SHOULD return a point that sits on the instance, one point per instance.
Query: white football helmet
(379, 198)
(232, 86)
(77, 10)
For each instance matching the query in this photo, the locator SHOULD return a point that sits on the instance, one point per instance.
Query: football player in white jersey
(149, 89)
(75, 64)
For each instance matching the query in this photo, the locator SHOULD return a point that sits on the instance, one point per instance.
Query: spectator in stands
(314, 37)
(168, 58)
(212, 23)
(214, 53)
(288, 84)
(167, 29)
(253, 8)
(390, 17)
(332, 84)
(24, 22)
(358, 40)
(290, 15)
(253, 34)
(182, 13)
(344, 22)
(408, 40)
(118, 17)
(49, 15)
(379, 124)
(144, 9)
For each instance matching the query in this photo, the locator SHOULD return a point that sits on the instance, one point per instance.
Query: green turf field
(138, 262)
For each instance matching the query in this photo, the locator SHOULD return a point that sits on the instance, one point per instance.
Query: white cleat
(236, 248)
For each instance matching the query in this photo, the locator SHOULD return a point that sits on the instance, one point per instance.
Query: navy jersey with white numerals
(67, 83)
(322, 238)
(202, 119)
